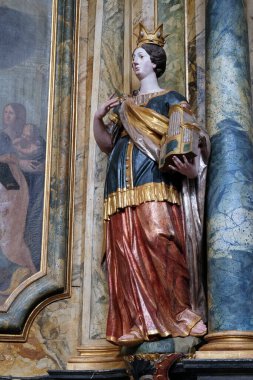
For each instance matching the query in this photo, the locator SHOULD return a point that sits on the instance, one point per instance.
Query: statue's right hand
(105, 107)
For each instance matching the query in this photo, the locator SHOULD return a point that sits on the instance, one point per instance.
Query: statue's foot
(132, 339)
(199, 329)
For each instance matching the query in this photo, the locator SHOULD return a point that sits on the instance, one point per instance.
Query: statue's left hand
(185, 167)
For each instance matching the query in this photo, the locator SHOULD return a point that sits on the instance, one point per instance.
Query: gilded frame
(52, 281)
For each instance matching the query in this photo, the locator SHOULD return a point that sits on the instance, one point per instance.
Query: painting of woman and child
(24, 78)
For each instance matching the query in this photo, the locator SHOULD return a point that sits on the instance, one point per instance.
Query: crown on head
(145, 37)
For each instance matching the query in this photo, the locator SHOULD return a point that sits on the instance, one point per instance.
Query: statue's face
(141, 63)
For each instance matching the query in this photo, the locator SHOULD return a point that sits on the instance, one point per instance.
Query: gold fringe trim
(133, 197)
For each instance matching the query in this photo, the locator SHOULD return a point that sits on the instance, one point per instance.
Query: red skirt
(147, 272)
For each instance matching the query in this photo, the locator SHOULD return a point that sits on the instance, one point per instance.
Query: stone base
(184, 369)
(194, 369)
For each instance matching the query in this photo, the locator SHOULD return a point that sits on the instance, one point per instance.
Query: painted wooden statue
(153, 218)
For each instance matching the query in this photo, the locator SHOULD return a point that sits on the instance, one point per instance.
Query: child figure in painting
(29, 145)
(16, 261)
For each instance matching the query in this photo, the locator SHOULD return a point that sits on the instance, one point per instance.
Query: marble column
(230, 185)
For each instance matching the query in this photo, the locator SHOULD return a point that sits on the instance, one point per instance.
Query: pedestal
(97, 357)
(227, 345)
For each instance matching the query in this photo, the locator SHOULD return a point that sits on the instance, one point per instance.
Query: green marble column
(230, 184)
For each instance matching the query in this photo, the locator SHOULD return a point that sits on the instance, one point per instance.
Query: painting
(37, 80)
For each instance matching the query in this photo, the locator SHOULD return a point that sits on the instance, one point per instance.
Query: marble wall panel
(142, 11)
(171, 14)
(139, 11)
(84, 67)
(111, 80)
(195, 14)
(52, 339)
(81, 145)
(55, 332)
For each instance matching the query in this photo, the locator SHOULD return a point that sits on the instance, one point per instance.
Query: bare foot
(199, 329)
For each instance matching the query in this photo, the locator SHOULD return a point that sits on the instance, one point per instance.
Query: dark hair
(157, 56)
(20, 114)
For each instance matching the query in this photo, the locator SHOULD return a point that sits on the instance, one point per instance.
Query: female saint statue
(153, 219)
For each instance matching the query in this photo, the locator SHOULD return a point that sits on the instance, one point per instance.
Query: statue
(153, 219)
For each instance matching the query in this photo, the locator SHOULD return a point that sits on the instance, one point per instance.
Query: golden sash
(145, 126)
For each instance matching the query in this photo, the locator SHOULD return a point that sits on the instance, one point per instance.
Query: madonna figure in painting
(15, 257)
(153, 219)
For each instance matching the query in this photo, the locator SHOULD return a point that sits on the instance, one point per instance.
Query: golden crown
(145, 37)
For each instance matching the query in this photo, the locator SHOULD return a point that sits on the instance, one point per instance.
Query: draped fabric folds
(145, 126)
(148, 275)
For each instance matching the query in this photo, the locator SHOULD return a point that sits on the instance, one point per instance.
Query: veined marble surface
(110, 81)
(230, 184)
(52, 339)
(229, 94)
(249, 4)
(196, 57)
(171, 14)
(230, 229)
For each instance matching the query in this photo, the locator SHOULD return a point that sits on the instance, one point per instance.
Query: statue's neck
(149, 84)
